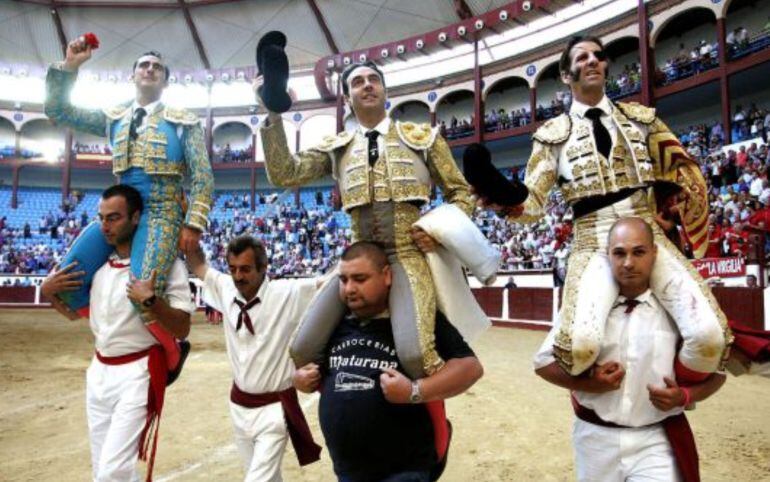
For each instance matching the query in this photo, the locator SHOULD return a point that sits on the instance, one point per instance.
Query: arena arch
(508, 97)
(7, 136)
(411, 110)
(680, 21)
(679, 41)
(749, 14)
(40, 138)
(232, 142)
(552, 93)
(458, 105)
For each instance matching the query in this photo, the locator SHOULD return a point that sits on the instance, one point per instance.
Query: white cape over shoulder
(462, 244)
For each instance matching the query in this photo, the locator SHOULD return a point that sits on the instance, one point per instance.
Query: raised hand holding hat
(273, 65)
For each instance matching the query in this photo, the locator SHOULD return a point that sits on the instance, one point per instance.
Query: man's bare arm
(196, 262)
(457, 376)
(601, 378)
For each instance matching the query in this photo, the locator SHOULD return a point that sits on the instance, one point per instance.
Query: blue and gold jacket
(170, 145)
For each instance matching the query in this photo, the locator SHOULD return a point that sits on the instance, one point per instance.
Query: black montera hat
(488, 181)
(273, 64)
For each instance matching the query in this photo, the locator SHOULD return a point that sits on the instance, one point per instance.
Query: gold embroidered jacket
(414, 154)
(170, 144)
(644, 153)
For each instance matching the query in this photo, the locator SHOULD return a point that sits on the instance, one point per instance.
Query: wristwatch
(149, 301)
(416, 396)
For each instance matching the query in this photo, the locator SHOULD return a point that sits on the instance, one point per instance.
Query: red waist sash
(677, 431)
(299, 432)
(156, 365)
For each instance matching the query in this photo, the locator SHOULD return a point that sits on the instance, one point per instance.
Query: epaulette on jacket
(637, 112)
(331, 143)
(554, 131)
(417, 136)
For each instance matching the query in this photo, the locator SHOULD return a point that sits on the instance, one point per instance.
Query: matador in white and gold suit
(644, 154)
(384, 175)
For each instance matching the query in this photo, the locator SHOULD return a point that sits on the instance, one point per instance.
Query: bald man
(629, 408)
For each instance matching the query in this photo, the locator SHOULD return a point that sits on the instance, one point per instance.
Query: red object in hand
(91, 40)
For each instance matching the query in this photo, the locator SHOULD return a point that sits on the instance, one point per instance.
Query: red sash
(755, 344)
(677, 430)
(299, 432)
(156, 364)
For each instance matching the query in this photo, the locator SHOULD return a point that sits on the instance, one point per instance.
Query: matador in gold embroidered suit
(384, 174)
(607, 158)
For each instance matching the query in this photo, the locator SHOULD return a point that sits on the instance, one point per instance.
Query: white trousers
(116, 407)
(260, 434)
(606, 454)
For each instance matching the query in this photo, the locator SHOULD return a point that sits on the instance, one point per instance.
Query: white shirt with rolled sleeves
(115, 322)
(260, 363)
(644, 342)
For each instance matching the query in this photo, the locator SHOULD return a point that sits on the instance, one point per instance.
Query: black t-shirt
(367, 436)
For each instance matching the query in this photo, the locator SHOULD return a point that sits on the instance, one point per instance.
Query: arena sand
(511, 426)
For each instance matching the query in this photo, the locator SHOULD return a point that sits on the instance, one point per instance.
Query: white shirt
(644, 343)
(260, 362)
(383, 127)
(579, 109)
(115, 322)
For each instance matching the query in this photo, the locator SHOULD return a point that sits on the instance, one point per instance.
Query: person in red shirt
(738, 240)
(761, 215)
(714, 249)
(742, 158)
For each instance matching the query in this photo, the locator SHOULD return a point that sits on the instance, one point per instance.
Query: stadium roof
(215, 34)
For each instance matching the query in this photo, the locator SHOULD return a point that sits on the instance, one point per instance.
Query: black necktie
(243, 316)
(136, 121)
(374, 151)
(601, 134)
(630, 305)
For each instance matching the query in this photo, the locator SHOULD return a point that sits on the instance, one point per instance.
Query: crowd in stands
(102, 149)
(627, 82)
(37, 249)
(751, 123)
(740, 43)
(228, 154)
(307, 240)
(498, 120)
(9, 151)
(704, 56)
(688, 62)
(457, 128)
(299, 241)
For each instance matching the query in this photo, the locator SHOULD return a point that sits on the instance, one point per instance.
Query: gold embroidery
(416, 136)
(180, 116)
(638, 112)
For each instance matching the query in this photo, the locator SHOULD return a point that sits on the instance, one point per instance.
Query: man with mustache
(127, 378)
(260, 316)
(629, 421)
(605, 157)
(385, 170)
(153, 147)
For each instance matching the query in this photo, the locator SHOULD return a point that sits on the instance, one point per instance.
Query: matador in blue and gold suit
(154, 160)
